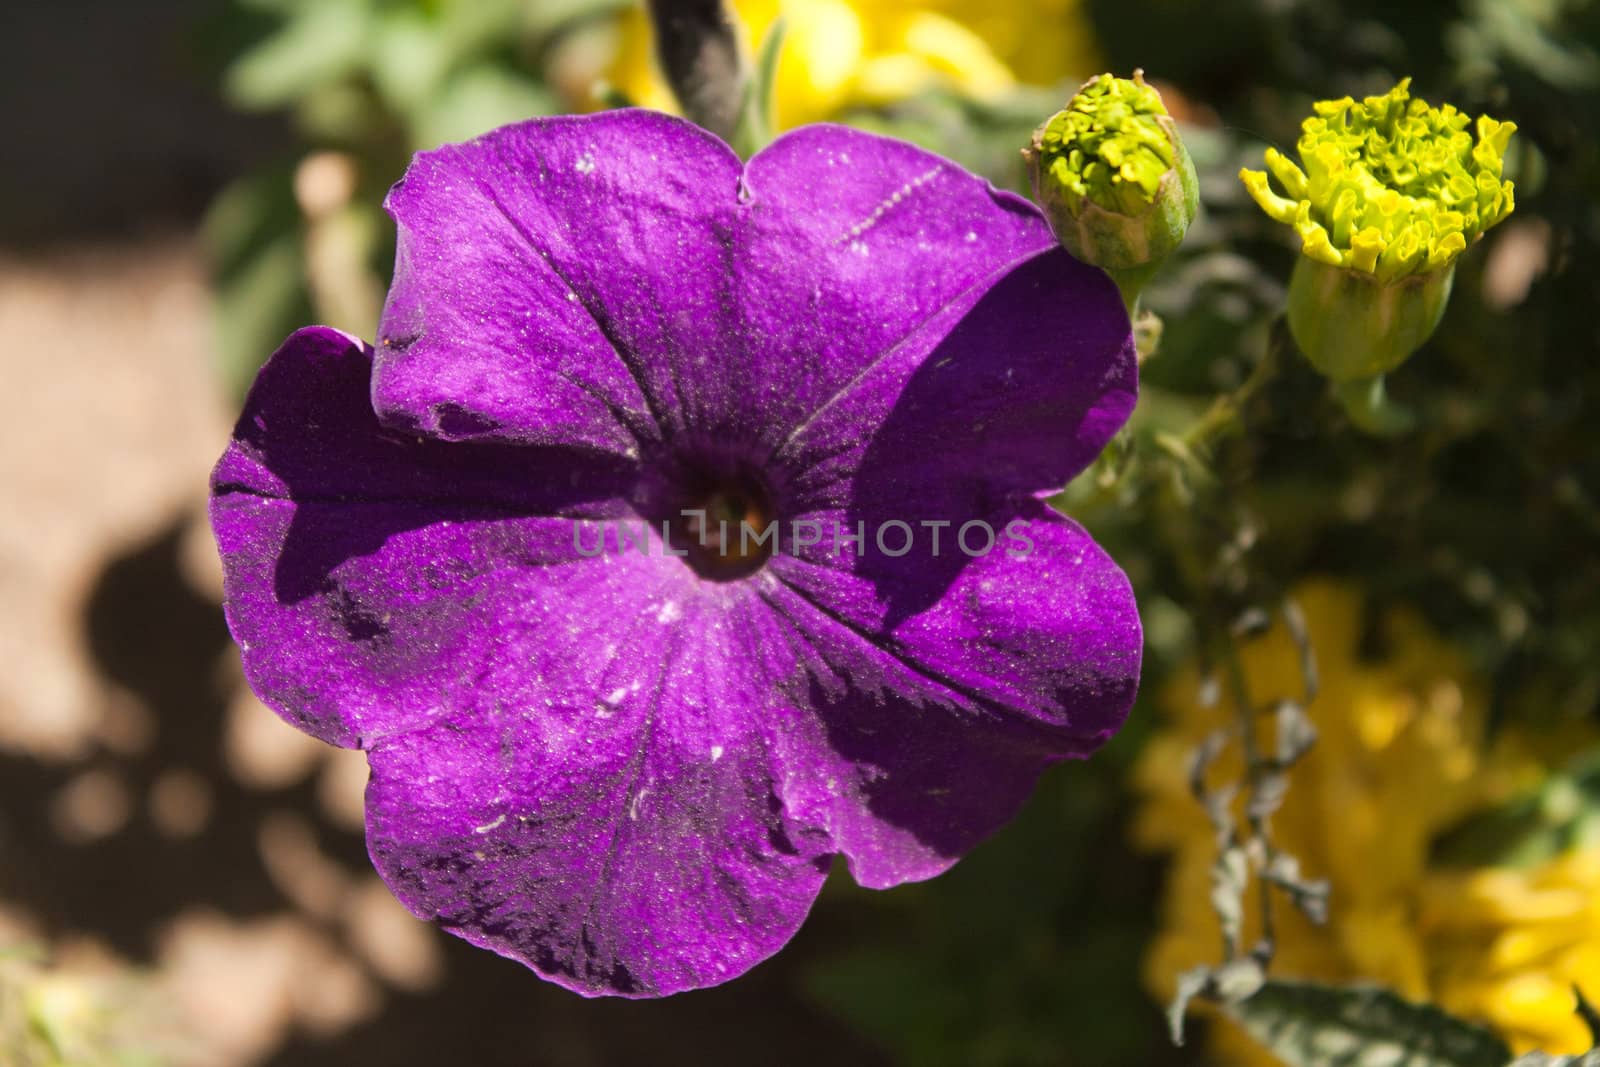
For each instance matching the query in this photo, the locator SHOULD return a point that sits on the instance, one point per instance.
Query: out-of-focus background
(182, 877)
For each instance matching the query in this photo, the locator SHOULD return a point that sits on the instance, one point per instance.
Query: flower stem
(697, 43)
(1226, 414)
(1367, 403)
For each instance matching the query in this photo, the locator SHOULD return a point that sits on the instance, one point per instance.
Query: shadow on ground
(154, 636)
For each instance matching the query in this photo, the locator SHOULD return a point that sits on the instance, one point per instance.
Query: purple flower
(631, 770)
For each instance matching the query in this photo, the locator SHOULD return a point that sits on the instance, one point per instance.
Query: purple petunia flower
(631, 769)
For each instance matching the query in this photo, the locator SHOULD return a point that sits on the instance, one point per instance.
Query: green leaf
(248, 215)
(755, 129)
(408, 60)
(252, 233)
(1561, 815)
(546, 18)
(1191, 984)
(981, 135)
(478, 100)
(1309, 1025)
(1230, 877)
(473, 28)
(319, 45)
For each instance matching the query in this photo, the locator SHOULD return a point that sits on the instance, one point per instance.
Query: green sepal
(1352, 327)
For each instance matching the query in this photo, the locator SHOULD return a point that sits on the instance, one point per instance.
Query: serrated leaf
(1310, 1025)
(1296, 733)
(1270, 790)
(1230, 876)
(1191, 984)
(1238, 979)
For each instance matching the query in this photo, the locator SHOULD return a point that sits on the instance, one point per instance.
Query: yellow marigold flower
(1388, 193)
(1401, 758)
(1391, 187)
(838, 53)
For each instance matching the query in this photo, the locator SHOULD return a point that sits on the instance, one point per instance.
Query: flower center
(727, 529)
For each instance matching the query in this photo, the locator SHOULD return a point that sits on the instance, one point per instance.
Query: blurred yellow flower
(1511, 944)
(1400, 758)
(839, 53)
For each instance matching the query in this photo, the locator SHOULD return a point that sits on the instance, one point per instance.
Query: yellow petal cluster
(1110, 145)
(1391, 187)
(841, 53)
(1402, 756)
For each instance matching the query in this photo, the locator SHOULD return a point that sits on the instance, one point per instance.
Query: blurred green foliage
(416, 72)
(371, 81)
(53, 1017)
(1485, 518)
(1027, 952)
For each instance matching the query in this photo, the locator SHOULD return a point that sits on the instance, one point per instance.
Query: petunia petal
(850, 243)
(556, 279)
(605, 809)
(932, 734)
(1001, 397)
(611, 281)
(1012, 389)
(357, 560)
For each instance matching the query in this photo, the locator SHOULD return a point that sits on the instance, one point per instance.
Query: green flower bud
(1114, 179)
(1393, 191)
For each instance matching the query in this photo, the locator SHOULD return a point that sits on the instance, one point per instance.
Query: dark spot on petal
(455, 421)
(360, 623)
(400, 342)
(621, 979)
